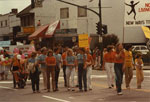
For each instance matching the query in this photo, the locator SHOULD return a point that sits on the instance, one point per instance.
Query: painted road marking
(3, 87)
(53, 98)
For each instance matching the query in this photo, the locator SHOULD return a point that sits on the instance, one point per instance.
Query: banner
(137, 12)
(83, 40)
(146, 31)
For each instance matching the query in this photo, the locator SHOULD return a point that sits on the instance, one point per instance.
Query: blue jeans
(119, 75)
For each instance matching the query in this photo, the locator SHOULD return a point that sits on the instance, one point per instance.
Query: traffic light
(98, 28)
(101, 30)
(104, 29)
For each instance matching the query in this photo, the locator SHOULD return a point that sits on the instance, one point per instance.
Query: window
(143, 48)
(82, 12)
(64, 13)
(137, 48)
(6, 23)
(1, 23)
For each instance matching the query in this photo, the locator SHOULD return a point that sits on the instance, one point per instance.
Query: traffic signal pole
(100, 20)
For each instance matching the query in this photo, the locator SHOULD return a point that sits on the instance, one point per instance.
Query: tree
(110, 39)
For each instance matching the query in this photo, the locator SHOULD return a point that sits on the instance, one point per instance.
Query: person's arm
(127, 4)
(137, 3)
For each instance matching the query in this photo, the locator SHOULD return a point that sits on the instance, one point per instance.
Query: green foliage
(110, 39)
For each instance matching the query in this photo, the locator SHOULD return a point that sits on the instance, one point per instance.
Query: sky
(7, 5)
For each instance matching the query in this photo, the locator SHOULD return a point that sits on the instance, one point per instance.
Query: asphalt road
(100, 92)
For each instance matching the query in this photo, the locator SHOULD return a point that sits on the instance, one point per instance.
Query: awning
(39, 32)
(52, 28)
(146, 31)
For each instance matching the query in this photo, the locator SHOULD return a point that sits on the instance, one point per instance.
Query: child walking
(139, 70)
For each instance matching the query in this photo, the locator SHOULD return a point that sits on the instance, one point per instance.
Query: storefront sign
(83, 40)
(137, 12)
(28, 29)
(146, 31)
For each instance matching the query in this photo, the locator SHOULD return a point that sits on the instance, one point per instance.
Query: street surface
(100, 92)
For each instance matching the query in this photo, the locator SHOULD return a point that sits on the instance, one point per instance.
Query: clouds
(7, 5)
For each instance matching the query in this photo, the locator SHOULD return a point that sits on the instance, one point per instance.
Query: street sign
(83, 40)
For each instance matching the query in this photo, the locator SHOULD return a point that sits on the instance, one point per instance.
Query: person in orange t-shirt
(64, 55)
(119, 63)
(108, 63)
(50, 63)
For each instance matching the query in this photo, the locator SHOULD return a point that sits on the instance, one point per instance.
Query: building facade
(7, 23)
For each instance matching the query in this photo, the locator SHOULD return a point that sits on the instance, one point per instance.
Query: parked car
(140, 48)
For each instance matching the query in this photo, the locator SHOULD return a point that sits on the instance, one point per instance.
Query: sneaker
(38, 91)
(139, 87)
(112, 85)
(68, 89)
(80, 90)
(90, 89)
(128, 87)
(120, 93)
(48, 90)
(85, 90)
(73, 89)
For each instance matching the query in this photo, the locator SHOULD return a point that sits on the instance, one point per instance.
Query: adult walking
(33, 67)
(41, 60)
(58, 65)
(82, 69)
(70, 70)
(108, 63)
(119, 63)
(128, 64)
(50, 63)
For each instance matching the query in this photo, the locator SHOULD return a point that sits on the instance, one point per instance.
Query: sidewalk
(146, 67)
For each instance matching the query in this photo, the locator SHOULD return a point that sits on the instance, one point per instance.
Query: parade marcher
(82, 69)
(41, 60)
(58, 65)
(70, 70)
(89, 63)
(118, 66)
(2, 67)
(64, 55)
(51, 64)
(128, 64)
(139, 71)
(108, 64)
(33, 67)
(15, 65)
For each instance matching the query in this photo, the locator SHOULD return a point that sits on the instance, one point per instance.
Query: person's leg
(141, 76)
(107, 67)
(44, 77)
(85, 79)
(80, 71)
(72, 78)
(130, 75)
(68, 73)
(48, 78)
(127, 77)
(118, 77)
(64, 74)
(37, 82)
(89, 72)
(57, 70)
(33, 81)
(112, 74)
(53, 78)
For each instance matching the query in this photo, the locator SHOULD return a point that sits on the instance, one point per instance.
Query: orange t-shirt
(89, 58)
(64, 55)
(119, 59)
(50, 60)
(109, 57)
